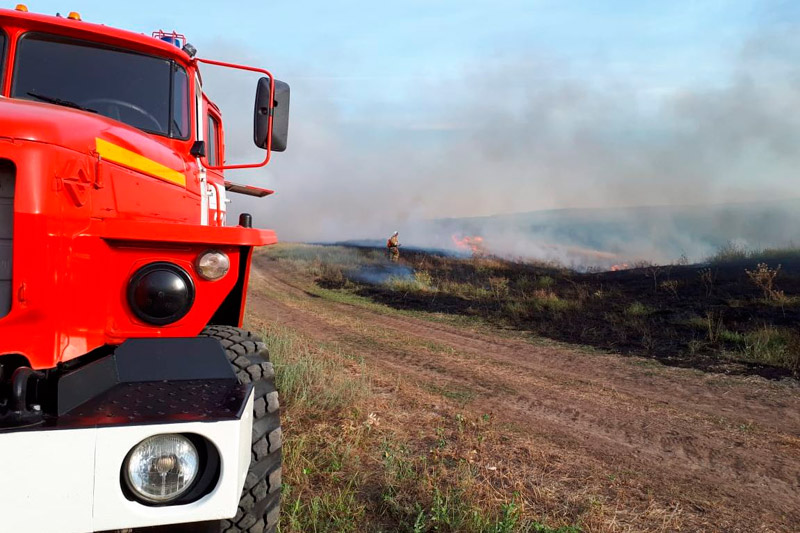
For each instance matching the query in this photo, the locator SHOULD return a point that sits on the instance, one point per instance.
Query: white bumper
(68, 480)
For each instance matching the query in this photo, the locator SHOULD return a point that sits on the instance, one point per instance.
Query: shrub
(763, 277)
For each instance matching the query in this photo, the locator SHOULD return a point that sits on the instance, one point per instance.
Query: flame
(621, 266)
(472, 243)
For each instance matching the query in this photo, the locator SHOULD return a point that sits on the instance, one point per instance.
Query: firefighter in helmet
(393, 247)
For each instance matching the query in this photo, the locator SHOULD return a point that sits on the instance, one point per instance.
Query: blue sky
(374, 46)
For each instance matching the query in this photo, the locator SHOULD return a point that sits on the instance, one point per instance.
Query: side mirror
(280, 115)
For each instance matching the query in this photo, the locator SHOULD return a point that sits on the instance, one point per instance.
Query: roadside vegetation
(736, 313)
(352, 463)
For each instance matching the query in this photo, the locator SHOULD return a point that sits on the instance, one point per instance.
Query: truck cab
(123, 285)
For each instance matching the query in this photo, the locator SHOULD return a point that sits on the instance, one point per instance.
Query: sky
(424, 109)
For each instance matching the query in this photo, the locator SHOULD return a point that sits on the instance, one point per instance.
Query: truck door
(215, 155)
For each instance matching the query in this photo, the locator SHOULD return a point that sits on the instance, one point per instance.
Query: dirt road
(655, 448)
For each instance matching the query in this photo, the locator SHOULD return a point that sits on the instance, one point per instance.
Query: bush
(763, 277)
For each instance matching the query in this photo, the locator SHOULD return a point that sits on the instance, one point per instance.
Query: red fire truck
(130, 397)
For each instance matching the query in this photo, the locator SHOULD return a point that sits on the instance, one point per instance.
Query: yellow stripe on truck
(126, 158)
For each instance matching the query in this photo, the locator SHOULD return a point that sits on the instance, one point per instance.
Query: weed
(499, 287)
(707, 278)
(307, 380)
(730, 251)
(763, 277)
(713, 326)
(423, 278)
(733, 252)
(336, 510)
(748, 427)
(544, 282)
(638, 309)
(546, 299)
(524, 284)
(654, 271)
(696, 346)
(733, 337)
(770, 345)
(461, 395)
(670, 286)
(515, 310)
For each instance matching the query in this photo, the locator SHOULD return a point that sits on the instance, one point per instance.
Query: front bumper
(64, 475)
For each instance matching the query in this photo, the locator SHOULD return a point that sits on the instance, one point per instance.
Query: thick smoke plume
(522, 135)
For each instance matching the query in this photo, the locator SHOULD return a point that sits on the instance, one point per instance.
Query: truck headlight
(161, 468)
(212, 265)
(161, 293)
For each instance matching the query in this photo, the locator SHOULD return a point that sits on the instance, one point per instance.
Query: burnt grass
(711, 317)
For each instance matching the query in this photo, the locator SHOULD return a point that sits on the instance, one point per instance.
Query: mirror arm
(269, 128)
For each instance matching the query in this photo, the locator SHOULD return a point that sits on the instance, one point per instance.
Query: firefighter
(393, 247)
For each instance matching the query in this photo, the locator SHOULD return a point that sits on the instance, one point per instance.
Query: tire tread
(259, 506)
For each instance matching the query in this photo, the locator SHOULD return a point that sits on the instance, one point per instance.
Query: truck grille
(7, 178)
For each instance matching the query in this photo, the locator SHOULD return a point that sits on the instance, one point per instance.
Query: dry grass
(352, 465)
(763, 277)
(733, 252)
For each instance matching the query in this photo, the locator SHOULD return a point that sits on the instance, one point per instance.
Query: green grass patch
(457, 393)
(638, 309)
(773, 346)
(309, 381)
(333, 511)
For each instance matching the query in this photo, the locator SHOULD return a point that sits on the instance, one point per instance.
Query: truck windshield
(146, 92)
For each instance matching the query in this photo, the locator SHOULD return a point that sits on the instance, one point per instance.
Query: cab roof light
(173, 37)
(74, 15)
(22, 7)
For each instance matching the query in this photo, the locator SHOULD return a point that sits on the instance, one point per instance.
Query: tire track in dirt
(726, 446)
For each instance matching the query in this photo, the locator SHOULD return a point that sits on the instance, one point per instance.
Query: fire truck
(131, 399)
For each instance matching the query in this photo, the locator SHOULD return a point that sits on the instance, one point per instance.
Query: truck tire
(259, 506)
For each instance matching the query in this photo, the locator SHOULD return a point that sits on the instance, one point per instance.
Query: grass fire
(469, 243)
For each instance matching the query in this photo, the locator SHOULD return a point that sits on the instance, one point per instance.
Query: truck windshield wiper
(59, 101)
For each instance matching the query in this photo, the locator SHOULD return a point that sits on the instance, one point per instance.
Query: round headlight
(161, 468)
(212, 265)
(161, 293)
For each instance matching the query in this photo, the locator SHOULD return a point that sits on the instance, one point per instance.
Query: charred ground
(728, 315)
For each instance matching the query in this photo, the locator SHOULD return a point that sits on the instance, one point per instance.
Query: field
(446, 394)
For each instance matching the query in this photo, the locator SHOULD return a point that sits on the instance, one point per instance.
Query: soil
(665, 448)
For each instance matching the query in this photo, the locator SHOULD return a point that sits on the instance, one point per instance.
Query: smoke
(379, 274)
(524, 134)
